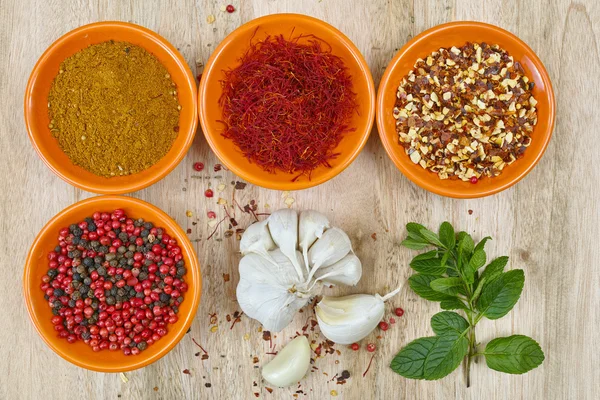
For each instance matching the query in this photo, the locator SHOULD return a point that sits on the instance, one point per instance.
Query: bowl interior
(36, 104)
(457, 34)
(227, 56)
(79, 353)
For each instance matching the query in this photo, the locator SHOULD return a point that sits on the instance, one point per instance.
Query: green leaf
(453, 304)
(482, 242)
(500, 296)
(420, 284)
(431, 237)
(431, 266)
(413, 244)
(413, 227)
(409, 362)
(478, 289)
(447, 236)
(426, 256)
(445, 356)
(447, 285)
(466, 245)
(494, 269)
(448, 322)
(515, 354)
(461, 235)
(477, 260)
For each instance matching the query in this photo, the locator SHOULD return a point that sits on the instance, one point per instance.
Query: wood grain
(548, 223)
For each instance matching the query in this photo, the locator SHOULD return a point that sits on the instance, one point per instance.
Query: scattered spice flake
(392, 321)
(228, 233)
(247, 336)
(260, 329)
(210, 19)
(216, 225)
(333, 393)
(237, 318)
(289, 201)
(255, 360)
(221, 201)
(204, 357)
(470, 212)
(207, 384)
(211, 215)
(223, 8)
(219, 167)
(124, 377)
(155, 388)
(374, 236)
(228, 318)
(189, 230)
(240, 185)
(187, 372)
(267, 205)
(268, 389)
(197, 354)
(214, 328)
(213, 318)
(220, 187)
(226, 277)
(208, 193)
(368, 366)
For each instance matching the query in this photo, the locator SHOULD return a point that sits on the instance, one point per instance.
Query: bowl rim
(190, 85)
(170, 341)
(210, 70)
(431, 185)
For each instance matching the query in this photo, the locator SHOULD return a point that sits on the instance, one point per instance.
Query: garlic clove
(290, 365)
(312, 224)
(329, 249)
(347, 271)
(257, 239)
(283, 226)
(348, 319)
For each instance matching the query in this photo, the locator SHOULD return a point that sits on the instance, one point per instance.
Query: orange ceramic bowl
(40, 313)
(227, 55)
(36, 105)
(457, 34)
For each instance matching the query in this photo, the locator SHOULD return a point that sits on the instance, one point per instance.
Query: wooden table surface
(548, 223)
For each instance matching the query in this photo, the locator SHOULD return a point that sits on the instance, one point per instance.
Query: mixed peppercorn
(466, 112)
(114, 282)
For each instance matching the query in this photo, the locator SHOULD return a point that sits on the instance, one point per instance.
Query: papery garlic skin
(348, 319)
(347, 271)
(270, 291)
(311, 226)
(290, 365)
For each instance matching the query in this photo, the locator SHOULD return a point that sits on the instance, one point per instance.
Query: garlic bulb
(275, 279)
(290, 364)
(348, 319)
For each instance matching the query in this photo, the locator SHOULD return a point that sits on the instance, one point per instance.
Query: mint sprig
(453, 274)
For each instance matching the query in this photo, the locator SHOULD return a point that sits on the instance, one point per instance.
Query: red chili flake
(209, 193)
(211, 215)
(374, 236)
(155, 388)
(399, 312)
(228, 233)
(189, 230)
(186, 371)
(474, 180)
(217, 167)
(255, 360)
(240, 185)
(371, 347)
(230, 8)
(296, 87)
(318, 350)
(198, 166)
(176, 129)
(228, 318)
(269, 389)
(470, 212)
(204, 357)
(384, 326)
(256, 395)
(226, 277)
(197, 344)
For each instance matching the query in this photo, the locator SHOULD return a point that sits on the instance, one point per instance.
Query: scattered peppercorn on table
(545, 223)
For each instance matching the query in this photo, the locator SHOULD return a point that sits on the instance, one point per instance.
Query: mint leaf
(447, 285)
(453, 304)
(413, 227)
(447, 236)
(494, 268)
(515, 354)
(426, 256)
(431, 237)
(420, 284)
(477, 260)
(431, 266)
(481, 243)
(414, 244)
(500, 296)
(448, 322)
(478, 289)
(409, 362)
(445, 356)
(466, 245)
